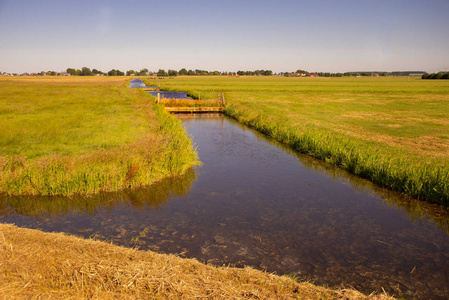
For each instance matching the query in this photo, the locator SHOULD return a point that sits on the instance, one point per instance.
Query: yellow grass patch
(38, 265)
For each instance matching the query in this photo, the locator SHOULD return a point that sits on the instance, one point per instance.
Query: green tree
(438, 75)
(201, 72)
(143, 72)
(130, 73)
(172, 73)
(183, 72)
(71, 71)
(191, 72)
(86, 72)
(302, 72)
(161, 73)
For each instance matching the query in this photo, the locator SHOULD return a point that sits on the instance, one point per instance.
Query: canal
(254, 202)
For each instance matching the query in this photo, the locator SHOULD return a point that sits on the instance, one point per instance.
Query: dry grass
(38, 265)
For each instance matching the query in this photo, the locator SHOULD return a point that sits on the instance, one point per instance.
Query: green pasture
(84, 135)
(391, 130)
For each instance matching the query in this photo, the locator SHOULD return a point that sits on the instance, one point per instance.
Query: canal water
(170, 95)
(137, 83)
(254, 202)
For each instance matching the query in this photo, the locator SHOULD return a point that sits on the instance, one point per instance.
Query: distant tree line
(439, 75)
(94, 72)
(365, 74)
(163, 73)
(85, 71)
(301, 73)
(256, 73)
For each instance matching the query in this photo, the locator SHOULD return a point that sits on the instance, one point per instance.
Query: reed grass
(66, 136)
(38, 265)
(153, 196)
(392, 131)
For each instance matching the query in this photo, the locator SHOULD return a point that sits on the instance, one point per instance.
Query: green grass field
(65, 136)
(391, 130)
(78, 135)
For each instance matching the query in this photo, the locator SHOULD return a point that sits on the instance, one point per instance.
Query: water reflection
(52, 207)
(136, 83)
(170, 95)
(417, 211)
(256, 203)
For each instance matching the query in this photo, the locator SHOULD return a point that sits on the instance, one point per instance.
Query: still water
(170, 95)
(137, 83)
(254, 202)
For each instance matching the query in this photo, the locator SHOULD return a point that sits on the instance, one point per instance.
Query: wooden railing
(193, 109)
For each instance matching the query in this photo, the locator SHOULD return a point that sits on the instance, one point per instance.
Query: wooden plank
(193, 109)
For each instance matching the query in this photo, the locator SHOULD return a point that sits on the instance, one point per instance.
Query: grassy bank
(392, 131)
(41, 265)
(82, 135)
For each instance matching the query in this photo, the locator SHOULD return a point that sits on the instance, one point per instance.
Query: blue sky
(334, 36)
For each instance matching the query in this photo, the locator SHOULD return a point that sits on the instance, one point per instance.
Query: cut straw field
(82, 135)
(37, 265)
(393, 131)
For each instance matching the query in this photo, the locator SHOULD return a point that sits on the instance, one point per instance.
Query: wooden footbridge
(200, 107)
(192, 110)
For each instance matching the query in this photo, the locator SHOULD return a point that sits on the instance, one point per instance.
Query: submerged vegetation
(392, 131)
(83, 135)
